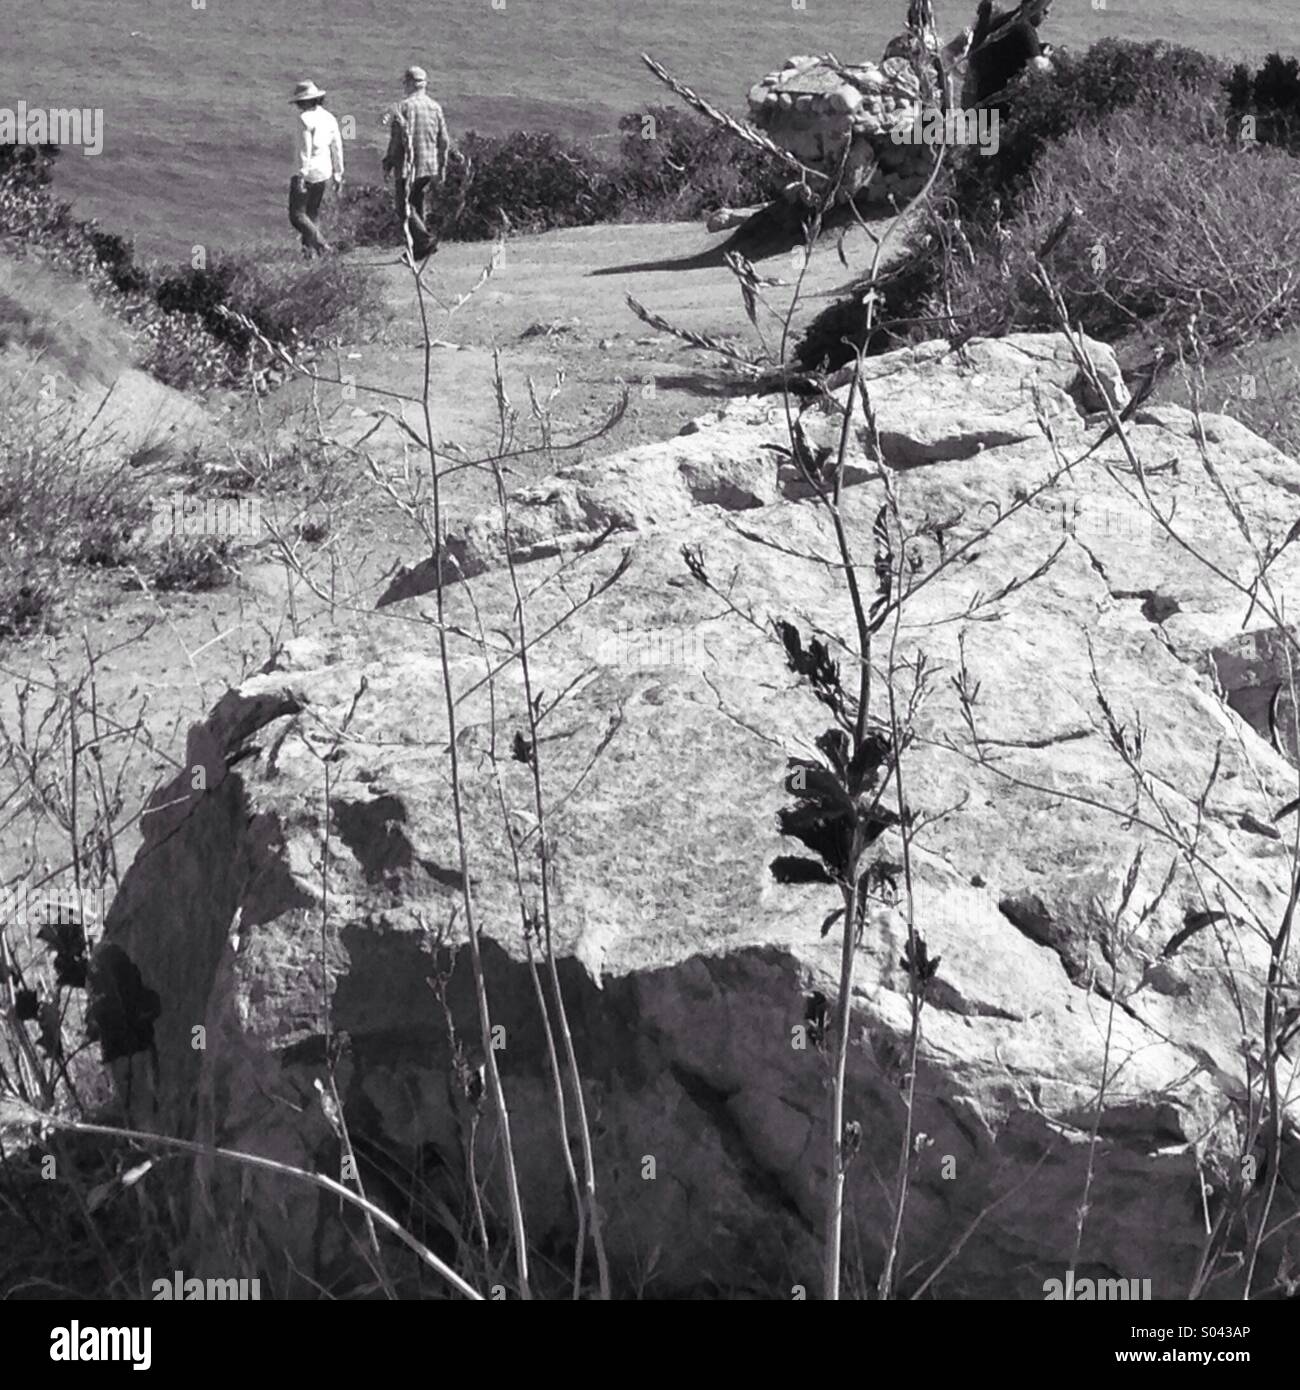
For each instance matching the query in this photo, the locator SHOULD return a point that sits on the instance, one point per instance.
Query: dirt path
(558, 303)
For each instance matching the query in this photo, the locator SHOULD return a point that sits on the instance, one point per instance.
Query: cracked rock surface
(686, 968)
(931, 407)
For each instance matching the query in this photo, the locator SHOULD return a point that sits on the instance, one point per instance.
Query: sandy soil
(558, 303)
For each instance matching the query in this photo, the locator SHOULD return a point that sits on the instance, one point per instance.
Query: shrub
(1272, 96)
(33, 222)
(525, 182)
(1113, 75)
(1167, 229)
(674, 164)
(193, 565)
(59, 502)
(1174, 97)
(366, 217)
(37, 225)
(52, 486)
(532, 181)
(117, 256)
(193, 343)
(27, 598)
(182, 352)
(186, 342)
(907, 293)
(536, 179)
(109, 535)
(29, 166)
(289, 301)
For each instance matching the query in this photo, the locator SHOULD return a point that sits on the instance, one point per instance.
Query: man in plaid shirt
(418, 146)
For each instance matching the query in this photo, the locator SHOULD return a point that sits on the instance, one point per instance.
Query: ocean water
(196, 123)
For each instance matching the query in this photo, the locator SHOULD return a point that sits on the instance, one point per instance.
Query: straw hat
(305, 91)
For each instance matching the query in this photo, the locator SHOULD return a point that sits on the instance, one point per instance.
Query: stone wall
(810, 108)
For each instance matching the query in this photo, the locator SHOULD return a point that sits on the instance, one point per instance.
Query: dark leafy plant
(117, 256)
(123, 1009)
(67, 945)
(30, 166)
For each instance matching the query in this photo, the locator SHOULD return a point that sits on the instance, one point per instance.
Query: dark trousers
(413, 209)
(304, 209)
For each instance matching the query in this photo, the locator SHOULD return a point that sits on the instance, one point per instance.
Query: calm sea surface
(196, 123)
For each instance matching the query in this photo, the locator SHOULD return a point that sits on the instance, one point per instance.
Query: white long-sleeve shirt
(318, 150)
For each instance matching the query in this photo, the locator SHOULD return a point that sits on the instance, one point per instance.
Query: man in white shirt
(318, 161)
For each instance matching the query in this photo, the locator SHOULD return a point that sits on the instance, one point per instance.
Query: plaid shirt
(418, 139)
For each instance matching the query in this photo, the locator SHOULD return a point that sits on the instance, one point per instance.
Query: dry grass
(75, 499)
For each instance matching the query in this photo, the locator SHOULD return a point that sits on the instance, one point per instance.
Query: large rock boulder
(300, 882)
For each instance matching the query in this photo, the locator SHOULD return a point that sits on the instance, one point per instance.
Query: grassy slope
(53, 317)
